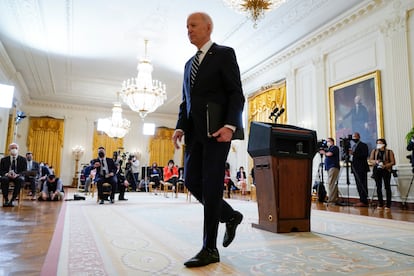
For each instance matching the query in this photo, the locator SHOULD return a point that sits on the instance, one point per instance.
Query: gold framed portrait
(356, 106)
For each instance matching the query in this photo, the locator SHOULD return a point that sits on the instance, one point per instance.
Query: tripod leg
(404, 203)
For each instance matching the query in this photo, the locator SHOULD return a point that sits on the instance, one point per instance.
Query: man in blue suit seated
(105, 173)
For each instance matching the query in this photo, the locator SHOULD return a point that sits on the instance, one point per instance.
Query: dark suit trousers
(361, 182)
(111, 180)
(5, 182)
(204, 177)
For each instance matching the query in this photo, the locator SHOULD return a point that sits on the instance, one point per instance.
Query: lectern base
(285, 226)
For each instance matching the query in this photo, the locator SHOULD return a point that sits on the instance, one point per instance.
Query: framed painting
(356, 106)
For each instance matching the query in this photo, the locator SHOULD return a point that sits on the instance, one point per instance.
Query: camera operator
(383, 160)
(331, 153)
(410, 147)
(360, 168)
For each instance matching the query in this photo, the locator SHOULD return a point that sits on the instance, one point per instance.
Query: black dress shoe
(8, 204)
(204, 257)
(101, 202)
(231, 228)
(112, 201)
(123, 199)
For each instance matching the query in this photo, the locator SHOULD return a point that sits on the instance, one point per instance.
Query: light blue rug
(154, 235)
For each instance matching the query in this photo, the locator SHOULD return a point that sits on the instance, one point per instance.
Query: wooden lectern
(282, 157)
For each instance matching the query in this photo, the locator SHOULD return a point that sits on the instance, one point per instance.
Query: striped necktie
(194, 67)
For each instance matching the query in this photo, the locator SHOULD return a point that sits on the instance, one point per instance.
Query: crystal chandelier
(254, 9)
(115, 126)
(143, 94)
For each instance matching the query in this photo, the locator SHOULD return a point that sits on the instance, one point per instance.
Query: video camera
(345, 143)
(322, 145)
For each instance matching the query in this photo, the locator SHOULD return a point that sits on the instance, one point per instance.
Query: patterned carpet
(154, 235)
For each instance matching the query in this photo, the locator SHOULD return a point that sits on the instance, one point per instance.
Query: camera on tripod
(322, 145)
(345, 143)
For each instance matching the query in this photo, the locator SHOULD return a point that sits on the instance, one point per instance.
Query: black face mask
(355, 140)
(101, 154)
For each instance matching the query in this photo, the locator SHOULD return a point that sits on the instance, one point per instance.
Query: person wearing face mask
(105, 173)
(11, 170)
(170, 174)
(332, 167)
(359, 167)
(383, 160)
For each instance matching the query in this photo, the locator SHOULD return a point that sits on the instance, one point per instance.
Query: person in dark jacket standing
(359, 167)
(211, 78)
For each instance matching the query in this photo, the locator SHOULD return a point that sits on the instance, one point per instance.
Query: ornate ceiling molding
(314, 38)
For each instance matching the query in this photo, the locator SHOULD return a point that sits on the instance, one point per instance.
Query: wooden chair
(167, 187)
(11, 190)
(107, 190)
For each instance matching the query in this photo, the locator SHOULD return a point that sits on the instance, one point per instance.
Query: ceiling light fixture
(143, 94)
(115, 126)
(254, 9)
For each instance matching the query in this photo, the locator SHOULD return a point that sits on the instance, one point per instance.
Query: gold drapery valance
(45, 140)
(161, 148)
(101, 139)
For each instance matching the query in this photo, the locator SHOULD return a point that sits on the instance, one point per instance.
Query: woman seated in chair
(155, 176)
(171, 174)
(241, 180)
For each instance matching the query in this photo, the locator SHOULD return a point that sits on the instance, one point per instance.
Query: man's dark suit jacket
(359, 158)
(111, 167)
(5, 165)
(217, 81)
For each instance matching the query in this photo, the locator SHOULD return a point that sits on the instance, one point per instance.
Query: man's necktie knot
(194, 67)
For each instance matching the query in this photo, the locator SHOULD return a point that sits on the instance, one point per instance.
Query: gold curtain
(100, 139)
(161, 148)
(264, 101)
(45, 140)
(10, 133)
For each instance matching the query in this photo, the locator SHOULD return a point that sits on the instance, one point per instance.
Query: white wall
(375, 36)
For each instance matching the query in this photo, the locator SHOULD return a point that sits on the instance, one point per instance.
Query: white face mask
(329, 144)
(380, 146)
(14, 151)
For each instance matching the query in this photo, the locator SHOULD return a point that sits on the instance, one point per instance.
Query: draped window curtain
(161, 148)
(100, 139)
(10, 132)
(45, 140)
(263, 102)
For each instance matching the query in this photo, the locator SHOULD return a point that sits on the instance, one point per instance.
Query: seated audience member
(155, 176)
(241, 180)
(44, 172)
(122, 182)
(89, 172)
(105, 173)
(228, 183)
(171, 174)
(252, 175)
(11, 170)
(52, 189)
(33, 170)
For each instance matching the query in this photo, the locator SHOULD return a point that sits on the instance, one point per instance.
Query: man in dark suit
(410, 147)
(359, 166)
(11, 170)
(217, 81)
(105, 173)
(33, 171)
